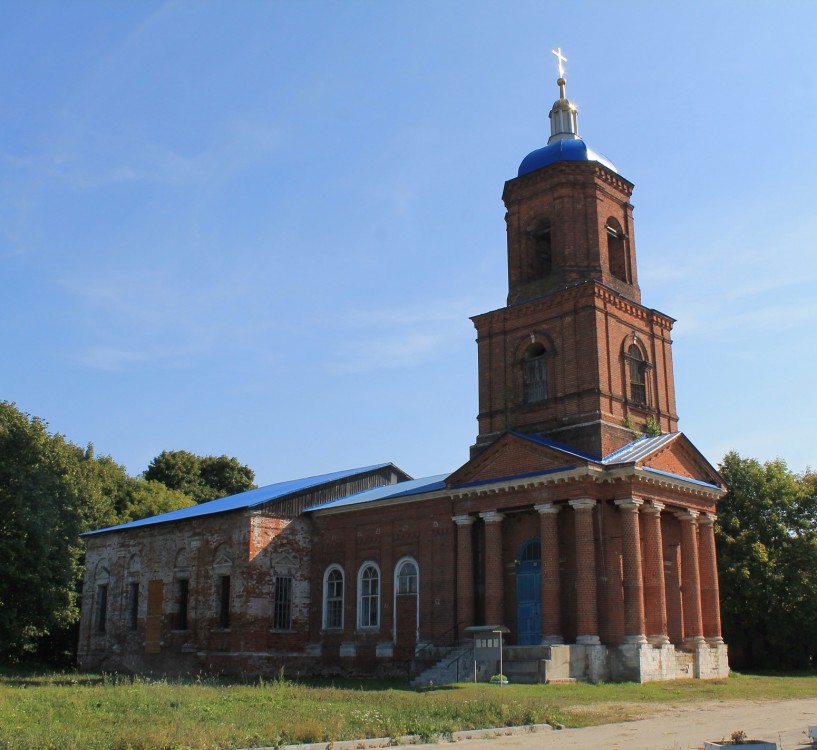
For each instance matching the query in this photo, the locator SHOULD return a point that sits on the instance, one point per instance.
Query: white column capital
(687, 515)
(547, 508)
(491, 516)
(583, 503)
(654, 507)
(463, 520)
(708, 519)
(629, 502)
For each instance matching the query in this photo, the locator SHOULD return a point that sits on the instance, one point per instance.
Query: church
(579, 534)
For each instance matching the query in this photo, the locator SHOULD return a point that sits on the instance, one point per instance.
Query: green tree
(41, 516)
(767, 559)
(145, 498)
(50, 492)
(201, 477)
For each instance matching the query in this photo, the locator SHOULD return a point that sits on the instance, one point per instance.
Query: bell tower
(574, 355)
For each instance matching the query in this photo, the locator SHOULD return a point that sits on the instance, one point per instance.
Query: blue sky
(260, 228)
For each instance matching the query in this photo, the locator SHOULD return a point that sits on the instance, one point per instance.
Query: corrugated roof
(638, 449)
(391, 491)
(248, 499)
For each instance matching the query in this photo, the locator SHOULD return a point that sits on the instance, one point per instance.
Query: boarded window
(282, 603)
(153, 622)
(133, 605)
(333, 604)
(224, 602)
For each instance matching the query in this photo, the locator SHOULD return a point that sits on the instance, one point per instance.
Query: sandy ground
(677, 728)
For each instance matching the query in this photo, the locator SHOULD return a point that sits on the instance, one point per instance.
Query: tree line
(52, 490)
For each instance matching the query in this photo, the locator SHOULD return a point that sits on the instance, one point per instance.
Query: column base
(715, 641)
(588, 640)
(637, 639)
(694, 641)
(658, 640)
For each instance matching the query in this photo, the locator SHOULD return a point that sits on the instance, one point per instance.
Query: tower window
(540, 263)
(616, 250)
(638, 375)
(535, 374)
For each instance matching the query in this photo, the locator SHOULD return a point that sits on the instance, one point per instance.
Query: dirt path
(677, 728)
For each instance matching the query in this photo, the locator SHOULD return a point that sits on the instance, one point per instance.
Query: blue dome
(566, 149)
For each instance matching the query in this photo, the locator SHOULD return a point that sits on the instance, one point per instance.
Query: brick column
(710, 596)
(690, 578)
(655, 592)
(587, 627)
(633, 578)
(494, 581)
(465, 573)
(551, 594)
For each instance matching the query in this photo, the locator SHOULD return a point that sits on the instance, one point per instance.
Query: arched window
(543, 249)
(616, 250)
(530, 552)
(638, 375)
(102, 579)
(535, 374)
(132, 592)
(368, 587)
(407, 577)
(222, 571)
(333, 599)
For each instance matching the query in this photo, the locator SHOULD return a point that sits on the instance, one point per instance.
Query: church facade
(582, 525)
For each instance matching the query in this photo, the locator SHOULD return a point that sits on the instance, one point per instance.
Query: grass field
(89, 712)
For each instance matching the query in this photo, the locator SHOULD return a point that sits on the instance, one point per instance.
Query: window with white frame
(333, 599)
(407, 577)
(368, 596)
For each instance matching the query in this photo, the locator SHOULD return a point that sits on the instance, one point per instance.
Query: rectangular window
(101, 608)
(182, 598)
(133, 605)
(224, 602)
(282, 603)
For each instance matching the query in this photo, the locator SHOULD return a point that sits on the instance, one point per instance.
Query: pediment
(511, 455)
(681, 457)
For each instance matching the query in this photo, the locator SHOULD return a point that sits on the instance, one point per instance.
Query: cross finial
(562, 59)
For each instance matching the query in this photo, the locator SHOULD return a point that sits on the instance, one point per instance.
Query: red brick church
(589, 544)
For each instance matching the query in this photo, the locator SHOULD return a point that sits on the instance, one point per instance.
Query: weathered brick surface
(612, 569)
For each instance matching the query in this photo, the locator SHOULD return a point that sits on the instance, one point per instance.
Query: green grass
(88, 712)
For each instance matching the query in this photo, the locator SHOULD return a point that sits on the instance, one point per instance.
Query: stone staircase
(456, 665)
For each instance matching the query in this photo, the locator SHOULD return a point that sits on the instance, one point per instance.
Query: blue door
(528, 594)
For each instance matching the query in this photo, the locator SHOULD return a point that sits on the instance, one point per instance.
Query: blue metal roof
(563, 150)
(401, 489)
(542, 440)
(248, 499)
(509, 477)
